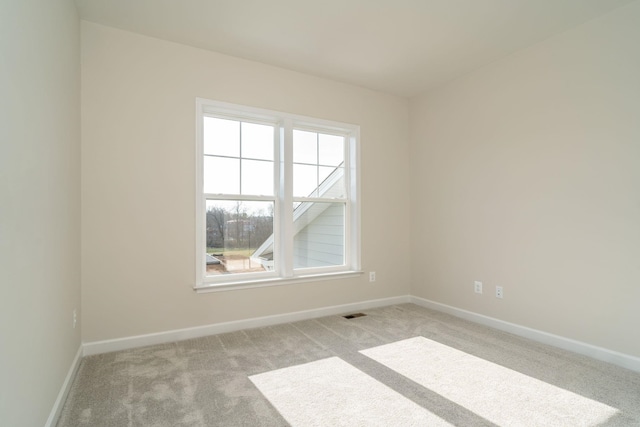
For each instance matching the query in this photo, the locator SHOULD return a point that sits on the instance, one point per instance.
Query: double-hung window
(276, 197)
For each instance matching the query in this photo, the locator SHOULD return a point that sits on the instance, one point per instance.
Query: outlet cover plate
(477, 286)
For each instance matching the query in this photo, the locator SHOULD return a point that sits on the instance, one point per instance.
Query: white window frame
(284, 273)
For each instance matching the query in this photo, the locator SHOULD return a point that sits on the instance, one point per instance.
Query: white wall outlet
(75, 318)
(372, 276)
(499, 292)
(477, 286)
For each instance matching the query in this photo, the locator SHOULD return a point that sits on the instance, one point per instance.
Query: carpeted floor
(479, 377)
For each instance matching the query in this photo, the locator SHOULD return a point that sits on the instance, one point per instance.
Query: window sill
(278, 281)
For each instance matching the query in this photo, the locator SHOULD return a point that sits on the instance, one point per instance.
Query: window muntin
(238, 157)
(316, 156)
(252, 164)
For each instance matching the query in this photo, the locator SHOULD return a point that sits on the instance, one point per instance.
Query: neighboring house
(319, 233)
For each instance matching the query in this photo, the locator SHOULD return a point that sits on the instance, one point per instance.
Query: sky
(239, 158)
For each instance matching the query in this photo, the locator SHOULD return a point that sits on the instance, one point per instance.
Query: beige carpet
(470, 376)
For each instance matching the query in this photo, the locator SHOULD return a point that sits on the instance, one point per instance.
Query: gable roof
(305, 213)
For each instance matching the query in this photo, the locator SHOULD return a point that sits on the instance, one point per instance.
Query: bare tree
(236, 227)
(216, 218)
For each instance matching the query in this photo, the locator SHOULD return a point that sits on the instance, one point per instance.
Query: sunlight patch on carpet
(498, 394)
(331, 392)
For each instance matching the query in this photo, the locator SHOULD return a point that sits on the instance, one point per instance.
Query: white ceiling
(403, 47)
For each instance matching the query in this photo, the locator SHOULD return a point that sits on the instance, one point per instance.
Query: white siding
(321, 243)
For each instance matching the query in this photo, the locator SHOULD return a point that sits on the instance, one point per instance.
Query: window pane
(305, 147)
(221, 175)
(324, 173)
(257, 141)
(319, 236)
(221, 137)
(305, 181)
(257, 177)
(239, 237)
(331, 150)
(331, 183)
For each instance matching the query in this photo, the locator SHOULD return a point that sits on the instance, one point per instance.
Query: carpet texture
(498, 394)
(330, 392)
(206, 381)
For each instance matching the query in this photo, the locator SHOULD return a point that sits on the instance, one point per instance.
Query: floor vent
(354, 315)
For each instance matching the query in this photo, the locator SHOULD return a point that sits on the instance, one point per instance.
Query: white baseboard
(599, 353)
(64, 390)
(595, 352)
(107, 346)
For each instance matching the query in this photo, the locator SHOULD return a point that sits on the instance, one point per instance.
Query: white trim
(54, 415)
(106, 346)
(200, 219)
(595, 352)
(238, 111)
(242, 197)
(312, 276)
(355, 195)
(283, 241)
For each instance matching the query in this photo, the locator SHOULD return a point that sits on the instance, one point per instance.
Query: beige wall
(138, 117)
(39, 205)
(526, 174)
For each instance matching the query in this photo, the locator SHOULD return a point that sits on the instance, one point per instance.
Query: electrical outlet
(499, 292)
(75, 318)
(477, 286)
(372, 276)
